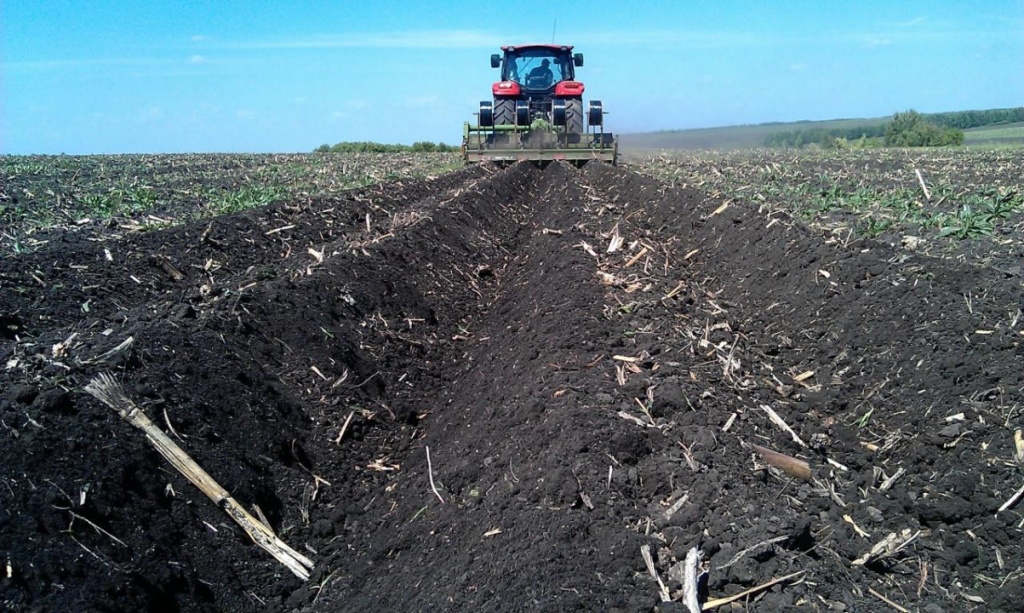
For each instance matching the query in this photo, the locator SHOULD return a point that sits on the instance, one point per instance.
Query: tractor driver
(541, 75)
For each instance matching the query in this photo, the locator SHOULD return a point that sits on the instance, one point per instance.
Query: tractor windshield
(537, 68)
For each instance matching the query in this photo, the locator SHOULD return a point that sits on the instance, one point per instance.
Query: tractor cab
(537, 68)
(535, 79)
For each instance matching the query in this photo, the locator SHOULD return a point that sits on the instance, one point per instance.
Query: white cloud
(906, 24)
(677, 39)
(198, 38)
(684, 39)
(246, 114)
(423, 39)
(152, 113)
(423, 101)
(78, 63)
(206, 109)
(476, 39)
(197, 59)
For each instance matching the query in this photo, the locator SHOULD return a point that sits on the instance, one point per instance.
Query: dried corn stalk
(110, 393)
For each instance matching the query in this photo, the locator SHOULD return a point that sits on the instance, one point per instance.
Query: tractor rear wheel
(505, 112)
(573, 116)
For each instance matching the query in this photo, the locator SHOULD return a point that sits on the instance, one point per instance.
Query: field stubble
(44, 197)
(955, 203)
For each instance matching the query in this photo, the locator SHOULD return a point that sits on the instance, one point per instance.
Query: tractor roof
(537, 46)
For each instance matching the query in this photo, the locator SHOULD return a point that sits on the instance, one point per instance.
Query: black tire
(522, 113)
(574, 116)
(486, 114)
(504, 112)
(596, 114)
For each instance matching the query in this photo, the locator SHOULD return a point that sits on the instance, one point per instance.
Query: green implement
(515, 144)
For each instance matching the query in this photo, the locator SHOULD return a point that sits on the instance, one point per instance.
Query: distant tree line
(371, 147)
(906, 129)
(822, 136)
(964, 120)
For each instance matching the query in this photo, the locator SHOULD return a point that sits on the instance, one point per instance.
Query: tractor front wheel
(505, 112)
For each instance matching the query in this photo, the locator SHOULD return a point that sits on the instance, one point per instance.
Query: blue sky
(98, 76)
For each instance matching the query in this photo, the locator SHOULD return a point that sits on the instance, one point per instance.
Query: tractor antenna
(553, 28)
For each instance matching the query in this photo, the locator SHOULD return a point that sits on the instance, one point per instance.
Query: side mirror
(495, 60)
(577, 59)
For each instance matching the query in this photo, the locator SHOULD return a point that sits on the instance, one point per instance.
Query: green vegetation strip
(998, 127)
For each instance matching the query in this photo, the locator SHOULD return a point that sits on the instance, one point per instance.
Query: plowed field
(492, 389)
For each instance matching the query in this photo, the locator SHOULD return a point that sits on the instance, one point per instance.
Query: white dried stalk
(1013, 500)
(924, 186)
(108, 391)
(781, 423)
(889, 546)
(126, 343)
(430, 476)
(672, 510)
(888, 483)
(691, 579)
(752, 550)
(645, 553)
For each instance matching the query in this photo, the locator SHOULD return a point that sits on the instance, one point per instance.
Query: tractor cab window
(537, 68)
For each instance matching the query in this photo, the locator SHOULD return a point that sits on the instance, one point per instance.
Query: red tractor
(537, 112)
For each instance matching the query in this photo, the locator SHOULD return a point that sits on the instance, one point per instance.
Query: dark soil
(577, 405)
